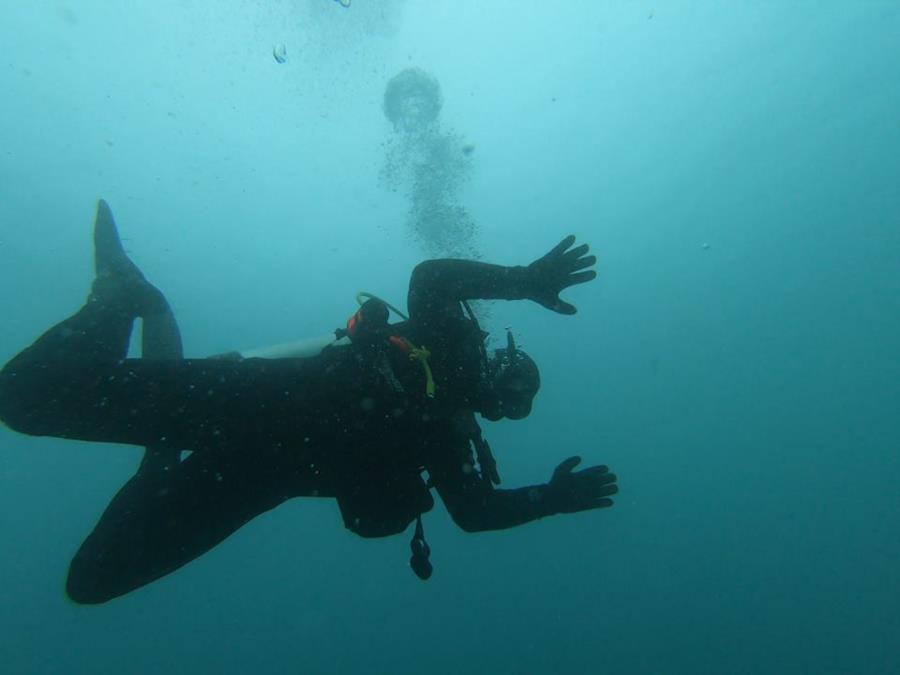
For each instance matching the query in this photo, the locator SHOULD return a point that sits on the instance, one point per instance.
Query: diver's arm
(469, 495)
(476, 506)
(437, 286)
(479, 508)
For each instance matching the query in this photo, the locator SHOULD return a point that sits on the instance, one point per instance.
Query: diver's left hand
(570, 491)
(556, 271)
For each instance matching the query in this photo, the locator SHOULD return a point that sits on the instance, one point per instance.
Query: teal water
(736, 167)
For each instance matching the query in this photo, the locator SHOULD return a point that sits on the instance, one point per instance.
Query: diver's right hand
(560, 268)
(571, 491)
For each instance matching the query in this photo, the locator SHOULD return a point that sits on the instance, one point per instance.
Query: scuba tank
(297, 349)
(309, 347)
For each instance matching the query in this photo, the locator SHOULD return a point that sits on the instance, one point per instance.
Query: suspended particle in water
(280, 53)
(343, 3)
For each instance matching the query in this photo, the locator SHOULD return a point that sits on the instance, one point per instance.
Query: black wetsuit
(354, 424)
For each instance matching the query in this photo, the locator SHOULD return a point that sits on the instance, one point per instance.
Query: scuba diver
(375, 420)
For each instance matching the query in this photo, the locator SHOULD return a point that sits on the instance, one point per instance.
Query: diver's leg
(160, 339)
(152, 527)
(99, 333)
(43, 373)
(120, 283)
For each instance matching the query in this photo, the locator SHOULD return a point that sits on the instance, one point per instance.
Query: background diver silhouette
(357, 423)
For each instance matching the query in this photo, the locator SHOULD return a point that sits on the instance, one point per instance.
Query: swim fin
(118, 280)
(110, 259)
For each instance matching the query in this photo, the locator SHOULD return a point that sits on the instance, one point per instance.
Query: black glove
(556, 271)
(569, 492)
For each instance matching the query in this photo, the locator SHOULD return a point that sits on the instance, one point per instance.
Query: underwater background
(734, 165)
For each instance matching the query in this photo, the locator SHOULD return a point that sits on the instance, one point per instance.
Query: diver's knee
(84, 583)
(468, 521)
(82, 595)
(13, 411)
